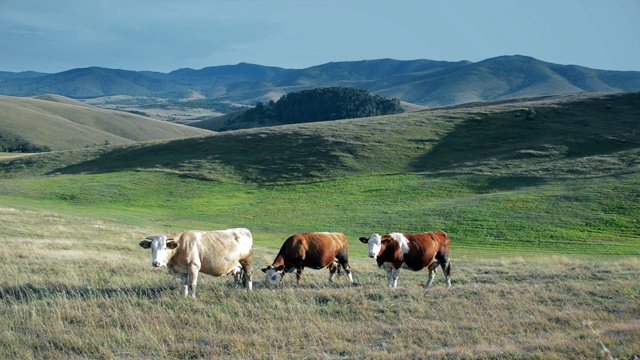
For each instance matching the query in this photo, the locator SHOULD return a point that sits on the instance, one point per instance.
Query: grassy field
(479, 212)
(541, 207)
(77, 287)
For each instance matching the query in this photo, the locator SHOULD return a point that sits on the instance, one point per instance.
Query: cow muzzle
(156, 263)
(372, 255)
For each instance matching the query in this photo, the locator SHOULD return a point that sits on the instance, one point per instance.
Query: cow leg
(344, 261)
(389, 278)
(396, 275)
(184, 282)
(446, 269)
(443, 259)
(332, 270)
(237, 274)
(392, 277)
(192, 273)
(299, 274)
(247, 274)
(432, 274)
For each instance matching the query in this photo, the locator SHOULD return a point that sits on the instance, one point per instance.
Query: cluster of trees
(21, 146)
(321, 104)
(24, 148)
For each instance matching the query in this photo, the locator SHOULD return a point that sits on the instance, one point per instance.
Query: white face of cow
(273, 275)
(160, 250)
(375, 244)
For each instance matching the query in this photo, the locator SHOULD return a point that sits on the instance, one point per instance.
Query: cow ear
(265, 269)
(172, 244)
(145, 244)
(364, 240)
(386, 242)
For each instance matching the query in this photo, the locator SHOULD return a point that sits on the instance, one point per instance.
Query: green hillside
(558, 137)
(60, 123)
(557, 174)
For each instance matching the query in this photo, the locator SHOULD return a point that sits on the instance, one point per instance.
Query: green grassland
(540, 199)
(551, 174)
(588, 216)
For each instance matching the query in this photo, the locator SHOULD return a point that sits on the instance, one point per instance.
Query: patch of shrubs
(22, 146)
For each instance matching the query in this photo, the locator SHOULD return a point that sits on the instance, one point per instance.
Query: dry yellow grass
(79, 287)
(66, 125)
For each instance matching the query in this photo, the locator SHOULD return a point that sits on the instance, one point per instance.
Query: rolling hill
(61, 123)
(551, 174)
(423, 82)
(550, 137)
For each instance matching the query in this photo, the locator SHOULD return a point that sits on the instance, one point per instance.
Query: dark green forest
(321, 104)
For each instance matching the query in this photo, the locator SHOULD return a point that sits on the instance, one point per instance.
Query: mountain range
(423, 82)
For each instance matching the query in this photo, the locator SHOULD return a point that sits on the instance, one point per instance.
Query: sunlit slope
(551, 175)
(64, 125)
(555, 137)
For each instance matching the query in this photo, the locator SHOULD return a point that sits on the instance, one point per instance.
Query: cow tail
(447, 270)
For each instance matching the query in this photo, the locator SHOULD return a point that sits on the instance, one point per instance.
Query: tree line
(321, 104)
(20, 145)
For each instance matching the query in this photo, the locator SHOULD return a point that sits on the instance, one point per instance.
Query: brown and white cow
(315, 250)
(415, 252)
(215, 253)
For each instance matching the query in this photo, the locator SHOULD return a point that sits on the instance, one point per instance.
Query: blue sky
(164, 35)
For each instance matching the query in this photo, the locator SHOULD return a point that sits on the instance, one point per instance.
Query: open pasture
(494, 213)
(540, 201)
(77, 287)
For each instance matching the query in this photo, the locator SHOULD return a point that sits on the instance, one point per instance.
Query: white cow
(215, 253)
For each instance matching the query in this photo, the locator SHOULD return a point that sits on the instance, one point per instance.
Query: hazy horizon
(44, 36)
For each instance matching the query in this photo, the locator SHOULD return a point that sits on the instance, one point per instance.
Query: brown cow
(216, 253)
(410, 251)
(315, 250)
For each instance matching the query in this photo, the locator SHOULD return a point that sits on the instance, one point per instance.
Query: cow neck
(279, 260)
(390, 252)
(172, 252)
(397, 250)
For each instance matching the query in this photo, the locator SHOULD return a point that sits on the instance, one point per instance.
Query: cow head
(376, 244)
(274, 274)
(160, 246)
